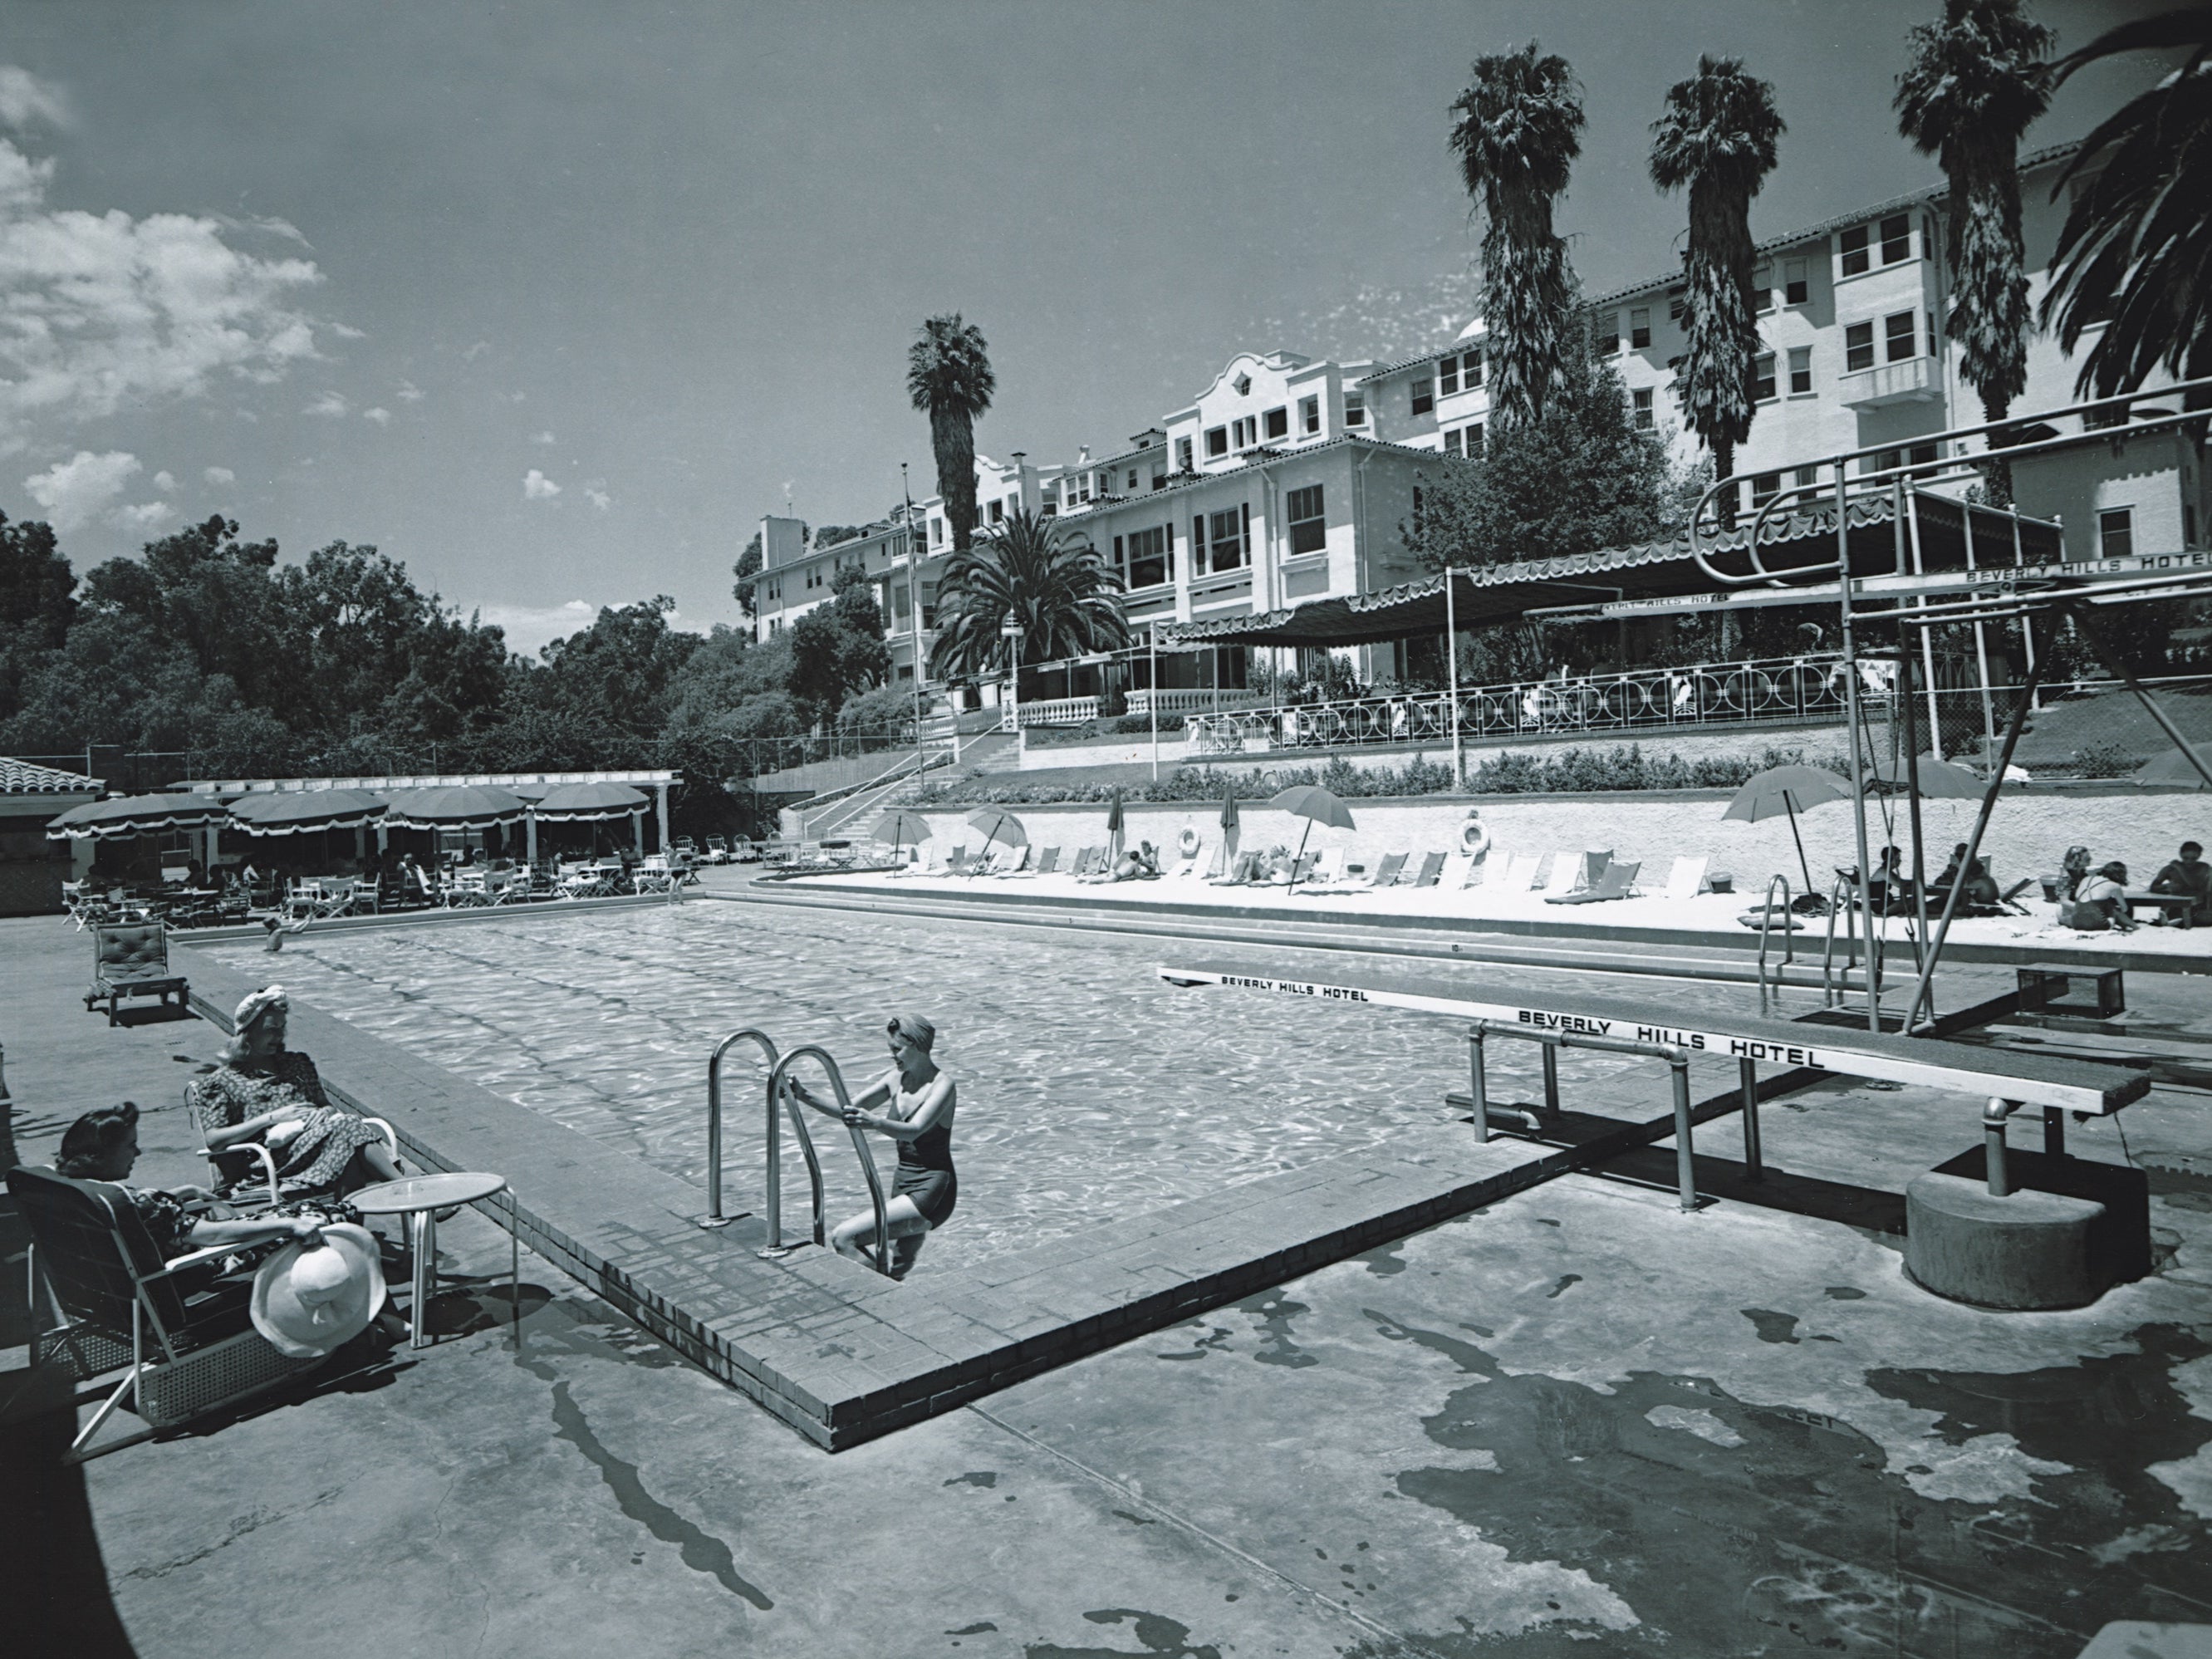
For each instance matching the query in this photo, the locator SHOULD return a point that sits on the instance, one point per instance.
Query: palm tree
(1520, 121)
(1066, 600)
(2137, 245)
(950, 380)
(1717, 136)
(1976, 82)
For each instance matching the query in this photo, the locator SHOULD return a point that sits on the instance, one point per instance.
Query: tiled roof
(22, 778)
(1934, 192)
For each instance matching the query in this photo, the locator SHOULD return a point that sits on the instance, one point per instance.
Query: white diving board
(2028, 1080)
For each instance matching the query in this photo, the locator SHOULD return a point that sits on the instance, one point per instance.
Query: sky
(553, 302)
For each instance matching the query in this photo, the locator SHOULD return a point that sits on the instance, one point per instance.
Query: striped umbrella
(137, 815)
(455, 806)
(585, 803)
(297, 809)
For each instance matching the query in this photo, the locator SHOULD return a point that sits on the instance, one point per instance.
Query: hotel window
(1308, 526)
(1858, 348)
(1277, 423)
(1807, 477)
(1355, 408)
(1309, 416)
(1605, 333)
(998, 512)
(1132, 480)
(1762, 378)
(1452, 442)
(1448, 376)
(1470, 369)
(1901, 337)
(2115, 532)
(1800, 370)
(1765, 487)
(1896, 238)
(1639, 327)
(937, 532)
(1762, 290)
(1226, 537)
(1677, 304)
(1147, 558)
(1643, 402)
(1425, 396)
(1244, 432)
(1182, 456)
(1795, 289)
(1216, 441)
(1159, 480)
(1855, 251)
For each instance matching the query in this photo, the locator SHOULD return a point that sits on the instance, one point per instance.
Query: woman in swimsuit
(917, 1101)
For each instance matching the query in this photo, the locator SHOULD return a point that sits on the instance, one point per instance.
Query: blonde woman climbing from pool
(913, 1103)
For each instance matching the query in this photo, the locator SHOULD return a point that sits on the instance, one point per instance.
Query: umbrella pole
(1302, 853)
(1804, 869)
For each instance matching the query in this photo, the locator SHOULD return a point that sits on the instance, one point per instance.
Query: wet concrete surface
(1580, 1422)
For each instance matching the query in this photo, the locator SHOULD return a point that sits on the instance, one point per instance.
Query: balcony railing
(1653, 699)
(1176, 700)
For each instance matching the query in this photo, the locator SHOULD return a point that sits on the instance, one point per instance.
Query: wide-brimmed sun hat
(308, 1298)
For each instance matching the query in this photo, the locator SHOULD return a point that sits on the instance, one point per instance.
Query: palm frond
(1064, 597)
(949, 378)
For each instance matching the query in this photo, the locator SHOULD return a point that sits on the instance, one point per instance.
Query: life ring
(1473, 839)
(1186, 842)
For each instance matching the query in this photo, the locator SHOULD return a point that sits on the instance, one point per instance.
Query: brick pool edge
(834, 1350)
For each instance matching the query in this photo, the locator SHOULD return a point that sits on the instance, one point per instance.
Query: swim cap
(916, 1028)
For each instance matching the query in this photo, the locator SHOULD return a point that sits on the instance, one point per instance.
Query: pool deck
(1573, 1420)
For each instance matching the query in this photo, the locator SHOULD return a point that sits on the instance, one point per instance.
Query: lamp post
(914, 606)
(1152, 698)
(1011, 631)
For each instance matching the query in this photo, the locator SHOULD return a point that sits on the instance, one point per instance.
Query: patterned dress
(317, 1155)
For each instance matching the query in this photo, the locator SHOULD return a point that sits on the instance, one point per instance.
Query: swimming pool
(1088, 1089)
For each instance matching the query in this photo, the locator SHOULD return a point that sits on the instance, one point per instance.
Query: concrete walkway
(1579, 1414)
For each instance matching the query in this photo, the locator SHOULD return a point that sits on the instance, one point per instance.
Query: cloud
(381, 417)
(345, 332)
(330, 405)
(219, 475)
(537, 487)
(544, 438)
(75, 491)
(529, 627)
(476, 351)
(598, 497)
(165, 480)
(25, 101)
(410, 392)
(99, 313)
(137, 518)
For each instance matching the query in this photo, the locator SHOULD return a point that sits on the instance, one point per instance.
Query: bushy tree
(838, 648)
(1581, 478)
(38, 602)
(1060, 594)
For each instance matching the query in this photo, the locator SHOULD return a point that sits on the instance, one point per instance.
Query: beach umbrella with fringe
(1789, 789)
(298, 811)
(2172, 767)
(1940, 780)
(137, 814)
(1315, 806)
(997, 824)
(589, 803)
(455, 806)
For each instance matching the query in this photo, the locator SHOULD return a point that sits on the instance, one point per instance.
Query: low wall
(1691, 743)
(2028, 836)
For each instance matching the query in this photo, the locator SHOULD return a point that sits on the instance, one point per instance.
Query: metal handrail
(715, 1218)
(1766, 923)
(1839, 902)
(881, 1260)
(1676, 1056)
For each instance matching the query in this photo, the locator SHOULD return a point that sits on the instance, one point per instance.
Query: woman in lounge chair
(913, 1103)
(261, 1090)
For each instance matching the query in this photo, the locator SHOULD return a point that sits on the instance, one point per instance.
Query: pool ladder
(780, 1095)
(1788, 945)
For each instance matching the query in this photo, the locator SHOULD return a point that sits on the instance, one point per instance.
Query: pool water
(1088, 1089)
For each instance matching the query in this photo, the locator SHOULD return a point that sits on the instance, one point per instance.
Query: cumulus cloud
(138, 517)
(99, 313)
(410, 392)
(345, 332)
(476, 351)
(598, 497)
(165, 480)
(537, 487)
(219, 475)
(381, 417)
(75, 491)
(544, 438)
(330, 405)
(25, 101)
(529, 627)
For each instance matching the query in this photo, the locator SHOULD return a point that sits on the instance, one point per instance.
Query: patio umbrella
(998, 824)
(295, 811)
(136, 815)
(454, 807)
(1315, 806)
(585, 803)
(1939, 780)
(2172, 767)
(1229, 829)
(1787, 789)
(1114, 821)
(899, 826)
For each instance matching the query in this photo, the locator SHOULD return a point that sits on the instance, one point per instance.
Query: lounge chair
(655, 874)
(132, 961)
(1569, 871)
(1218, 864)
(1385, 874)
(1047, 862)
(1388, 872)
(117, 1304)
(956, 862)
(1520, 873)
(1242, 873)
(1687, 880)
(1432, 865)
(1481, 870)
(1616, 881)
(1014, 861)
(1186, 864)
(1328, 868)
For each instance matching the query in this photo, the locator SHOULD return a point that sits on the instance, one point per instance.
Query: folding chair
(1432, 865)
(1615, 881)
(1685, 880)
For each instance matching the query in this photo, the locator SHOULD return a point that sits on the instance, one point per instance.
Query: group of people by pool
(2099, 895)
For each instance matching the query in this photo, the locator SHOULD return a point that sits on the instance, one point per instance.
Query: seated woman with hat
(261, 1090)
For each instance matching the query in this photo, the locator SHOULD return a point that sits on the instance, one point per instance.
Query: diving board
(2026, 1079)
